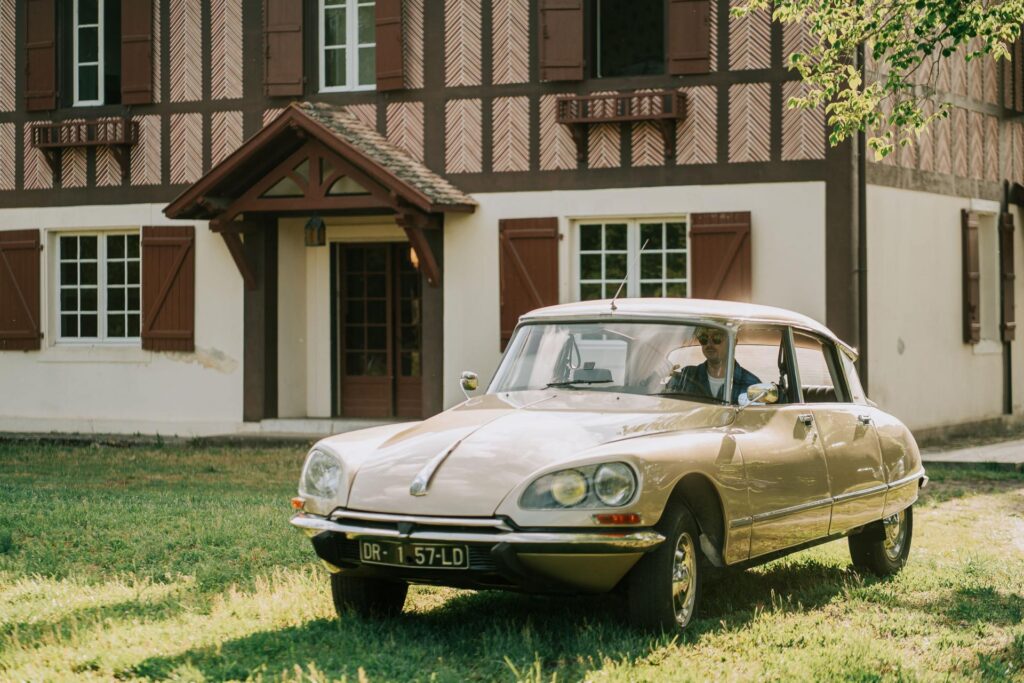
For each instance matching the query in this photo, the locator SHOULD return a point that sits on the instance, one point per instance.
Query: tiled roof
(375, 146)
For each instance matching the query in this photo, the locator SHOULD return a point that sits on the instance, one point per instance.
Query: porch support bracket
(237, 251)
(414, 223)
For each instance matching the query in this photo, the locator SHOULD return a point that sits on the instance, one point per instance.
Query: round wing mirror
(469, 382)
(766, 392)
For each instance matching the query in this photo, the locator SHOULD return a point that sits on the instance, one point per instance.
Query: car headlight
(321, 475)
(594, 486)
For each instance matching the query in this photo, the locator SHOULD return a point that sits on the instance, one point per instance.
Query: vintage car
(629, 445)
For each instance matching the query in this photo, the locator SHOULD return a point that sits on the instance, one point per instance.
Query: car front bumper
(549, 560)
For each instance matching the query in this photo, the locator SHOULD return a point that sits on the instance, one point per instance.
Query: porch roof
(408, 180)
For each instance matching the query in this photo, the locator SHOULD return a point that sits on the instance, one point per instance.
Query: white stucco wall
(919, 367)
(119, 388)
(787, 252)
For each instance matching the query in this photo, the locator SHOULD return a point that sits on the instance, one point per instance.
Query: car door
(786, 472)
(857, 479)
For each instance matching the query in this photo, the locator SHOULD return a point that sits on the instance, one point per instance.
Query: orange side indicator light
(298, 503)
(618, 518)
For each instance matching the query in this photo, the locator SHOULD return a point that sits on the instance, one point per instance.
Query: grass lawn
(179, 564)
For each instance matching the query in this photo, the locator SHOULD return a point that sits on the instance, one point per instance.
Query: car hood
(482, 449)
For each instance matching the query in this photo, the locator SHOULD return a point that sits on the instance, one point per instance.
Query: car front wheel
(884, 546)
(665, 585)
(367, 597)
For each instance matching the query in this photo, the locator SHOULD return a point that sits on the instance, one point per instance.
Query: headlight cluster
(321, 475)
(608, 485)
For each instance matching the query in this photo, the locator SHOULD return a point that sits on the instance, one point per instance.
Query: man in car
(708, 378)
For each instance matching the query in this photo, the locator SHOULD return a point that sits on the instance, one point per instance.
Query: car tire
(367, 597)
(664, 588)
(882, 548)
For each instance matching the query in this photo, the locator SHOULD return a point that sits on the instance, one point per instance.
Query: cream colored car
(629, 446)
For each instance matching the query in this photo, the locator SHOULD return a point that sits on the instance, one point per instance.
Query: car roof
(711, 310)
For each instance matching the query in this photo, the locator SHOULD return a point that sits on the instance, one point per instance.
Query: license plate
(429, 555)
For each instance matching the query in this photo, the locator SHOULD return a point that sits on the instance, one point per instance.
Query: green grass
(178, 564)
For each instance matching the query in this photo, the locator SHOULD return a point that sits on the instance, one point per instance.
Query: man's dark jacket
(694, 380)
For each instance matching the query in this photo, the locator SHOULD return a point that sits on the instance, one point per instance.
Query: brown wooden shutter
(282, 44)
(19, 290)
(136, 51)
(168, 288)
(689, 37)
(528, 266)
(40, 55)
(1007, 275)
(971, 277)
(561, 40)
(389, 45)
(1017, 65)
(720, 256)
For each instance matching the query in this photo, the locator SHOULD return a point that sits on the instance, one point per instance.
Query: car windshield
(627, 357)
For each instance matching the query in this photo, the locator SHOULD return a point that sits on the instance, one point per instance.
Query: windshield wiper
(570, 382)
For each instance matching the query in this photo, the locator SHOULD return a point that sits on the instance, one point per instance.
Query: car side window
(761, 353)
(857, 393)
(818, 367)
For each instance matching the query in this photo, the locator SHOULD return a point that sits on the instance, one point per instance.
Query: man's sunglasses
(713, 338)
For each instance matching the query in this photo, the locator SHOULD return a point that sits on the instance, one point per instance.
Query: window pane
(676, 265)
(68, 247)
(354, 364)
(334, 67)
(650, 266)
(631, 38)
(69, 273)
(115, 273)
(89, 328)
(69, 299)
(677, 289)
(367, 65)
(354, 338)
(367, 24)
(133, 325)
(88, 246)
(354, 313)
(590, 292)
(87, 272)
(376, 364)
(376, 338)
(376, 259)
(615, 267)
(590, 267)
(676, 235)
(115, 246)
(88, 87)
(133, 246)
(133, 272)
(88, 11)
(354, 258)
(376, 311)
(69, 325)
(88, 45)
(133, 298)
(650, 236)
(376, 285)
(615, 237)
(334, 27)
(115, 326)
(650, 289)
(115, 299)
(590, 237)
(87, 299)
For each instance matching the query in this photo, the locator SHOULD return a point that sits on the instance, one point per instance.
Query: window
(988, 261)
(96, 51)
(630, 38)
(819, 374)
(98, 285)
(348, 48)
(608, 253)
(761, 353)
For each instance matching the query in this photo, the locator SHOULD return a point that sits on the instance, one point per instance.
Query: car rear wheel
(367, 597)
(883, 547)
(665, 585)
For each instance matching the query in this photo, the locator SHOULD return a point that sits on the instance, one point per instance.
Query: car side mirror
(765, 392)
(468, 381)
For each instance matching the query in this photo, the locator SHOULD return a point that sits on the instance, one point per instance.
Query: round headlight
(568, 488)
(614, 484)
(321, 475)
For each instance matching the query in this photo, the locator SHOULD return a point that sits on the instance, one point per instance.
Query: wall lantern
(316, 232)
(414, 258)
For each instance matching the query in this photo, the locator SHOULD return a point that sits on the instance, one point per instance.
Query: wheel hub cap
(895, 534)
(684, 571)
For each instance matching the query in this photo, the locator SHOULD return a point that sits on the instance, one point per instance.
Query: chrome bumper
(610, 541)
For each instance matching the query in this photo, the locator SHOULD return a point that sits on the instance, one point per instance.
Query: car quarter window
(818, 368)
(761, 356)
(857, 393)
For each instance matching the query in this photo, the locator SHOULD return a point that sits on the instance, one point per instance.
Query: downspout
(1007, 349)
(861, 264)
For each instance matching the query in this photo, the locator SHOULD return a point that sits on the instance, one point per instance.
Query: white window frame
(633, 222)
(101, 289)
(100, 85)
(351, 45)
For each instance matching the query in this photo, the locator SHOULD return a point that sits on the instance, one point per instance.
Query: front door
(376, 302)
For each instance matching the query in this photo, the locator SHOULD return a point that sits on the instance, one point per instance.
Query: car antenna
(623, 283)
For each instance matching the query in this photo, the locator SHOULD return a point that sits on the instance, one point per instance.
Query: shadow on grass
(476, 636)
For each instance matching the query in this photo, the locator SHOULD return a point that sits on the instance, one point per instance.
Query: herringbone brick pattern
(510, 22)
(697, 132)
(412, 47)
(926, 141)
(975, 145)
(958, 119)
(749, 122)
(803, 130)
(225, 134)
(405, 127)
(991, 78)
(991, 163)
(463, 124)
(73, 165)
(186, 50)
(604, 146)
(367, 113)
(225, 49)
(271, 114)
(648, 144)
(795, 38)
(157, 48)
(462, 42)
(145, 159)
(715, 59)
(186, 148)
(8, 150)
(37, 174)
(943, 146)
(557, 149)
(750, 39)
(1017, 158)
(511, 120)
(8, 69)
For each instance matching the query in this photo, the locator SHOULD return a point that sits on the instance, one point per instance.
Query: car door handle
(806, 418)
(864, 419)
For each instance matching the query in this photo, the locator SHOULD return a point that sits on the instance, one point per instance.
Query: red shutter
(136, 51)
(720, 256)
(40, 55)
(168, 288)
(689, 37)
(561, 40)
(282, 45)
(528, 266)
(1007, 276)
(389, 45)
(19, 290)
(971, 277)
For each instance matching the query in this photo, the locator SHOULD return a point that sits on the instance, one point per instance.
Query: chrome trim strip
(853, 495)
(486, 522)
(803, 507)
(906, 480)
(637, 540)
(741, 522)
